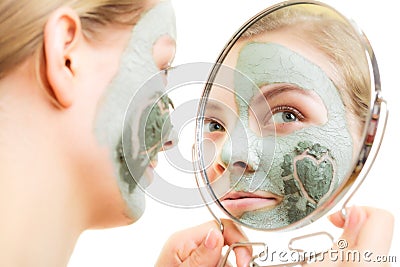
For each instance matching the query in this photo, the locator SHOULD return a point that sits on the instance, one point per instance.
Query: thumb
(366, 228)
(352, 226)
(208, 253)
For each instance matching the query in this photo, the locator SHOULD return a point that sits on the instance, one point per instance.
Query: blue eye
(286, 114)
(285, 117)
(213, 126)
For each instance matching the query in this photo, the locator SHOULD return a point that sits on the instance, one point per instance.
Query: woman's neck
(40, 218)
(41, 212)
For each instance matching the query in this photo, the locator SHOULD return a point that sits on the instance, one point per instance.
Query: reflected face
(281, 135)
(136, 112)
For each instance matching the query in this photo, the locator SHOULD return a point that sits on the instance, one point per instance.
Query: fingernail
(354, 221)
(333, 215)
(349, 216)
(211, 239)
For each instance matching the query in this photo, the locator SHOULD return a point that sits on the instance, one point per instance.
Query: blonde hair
(333, 36)
(22, 23)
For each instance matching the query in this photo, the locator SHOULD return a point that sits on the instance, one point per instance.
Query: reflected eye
(213, 126)
(284, 117)
(285, 114)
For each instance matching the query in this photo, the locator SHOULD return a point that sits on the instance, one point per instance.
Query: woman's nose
(171, 141)
(240, 167)
(164, 51)
(163, 54)
(240, 157)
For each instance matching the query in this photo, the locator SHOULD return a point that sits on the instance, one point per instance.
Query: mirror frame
(372, 134)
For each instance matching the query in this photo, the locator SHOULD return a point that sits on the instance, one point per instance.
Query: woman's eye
(285, 114)
(284, 117)
(214, 126)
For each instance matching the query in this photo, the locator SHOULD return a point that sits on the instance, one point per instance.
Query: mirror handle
(264, 253)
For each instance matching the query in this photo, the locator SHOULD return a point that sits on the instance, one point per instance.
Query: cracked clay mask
(284, 104)
(308, 163)
(132, 118)
(286, 122)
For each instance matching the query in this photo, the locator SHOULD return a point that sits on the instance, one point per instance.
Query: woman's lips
(153, 164)
(239, 202)
(149, 174)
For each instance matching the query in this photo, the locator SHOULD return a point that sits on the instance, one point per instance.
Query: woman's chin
(136, 204)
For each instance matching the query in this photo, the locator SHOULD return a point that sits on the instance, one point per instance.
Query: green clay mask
(133, 116)
(308, 163)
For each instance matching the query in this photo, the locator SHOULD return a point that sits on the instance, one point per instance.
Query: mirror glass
(281, 139)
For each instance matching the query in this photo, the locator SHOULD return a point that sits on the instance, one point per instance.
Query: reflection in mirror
(287, 135)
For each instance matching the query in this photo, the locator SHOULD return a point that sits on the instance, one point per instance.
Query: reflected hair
(329, 33)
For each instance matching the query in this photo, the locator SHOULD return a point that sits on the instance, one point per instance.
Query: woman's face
(119, 62)
(282, 139)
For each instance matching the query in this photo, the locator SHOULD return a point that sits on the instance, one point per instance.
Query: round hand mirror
(288, 117)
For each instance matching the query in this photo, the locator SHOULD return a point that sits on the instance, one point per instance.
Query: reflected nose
(241, 167)
(239, 158)
(164, 51)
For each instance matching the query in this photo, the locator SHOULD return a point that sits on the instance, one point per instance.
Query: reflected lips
(239, 202)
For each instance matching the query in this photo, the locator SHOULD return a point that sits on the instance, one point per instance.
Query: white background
(203, 29)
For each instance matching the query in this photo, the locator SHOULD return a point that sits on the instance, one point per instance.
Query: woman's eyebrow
(270, 91)
(214, 106)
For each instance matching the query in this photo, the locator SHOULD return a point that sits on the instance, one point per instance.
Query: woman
(68, 71)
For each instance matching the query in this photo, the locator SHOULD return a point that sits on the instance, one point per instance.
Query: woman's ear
(62, 37)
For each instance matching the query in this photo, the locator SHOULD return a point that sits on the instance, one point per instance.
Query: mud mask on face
(147, 111)
(308, 163)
